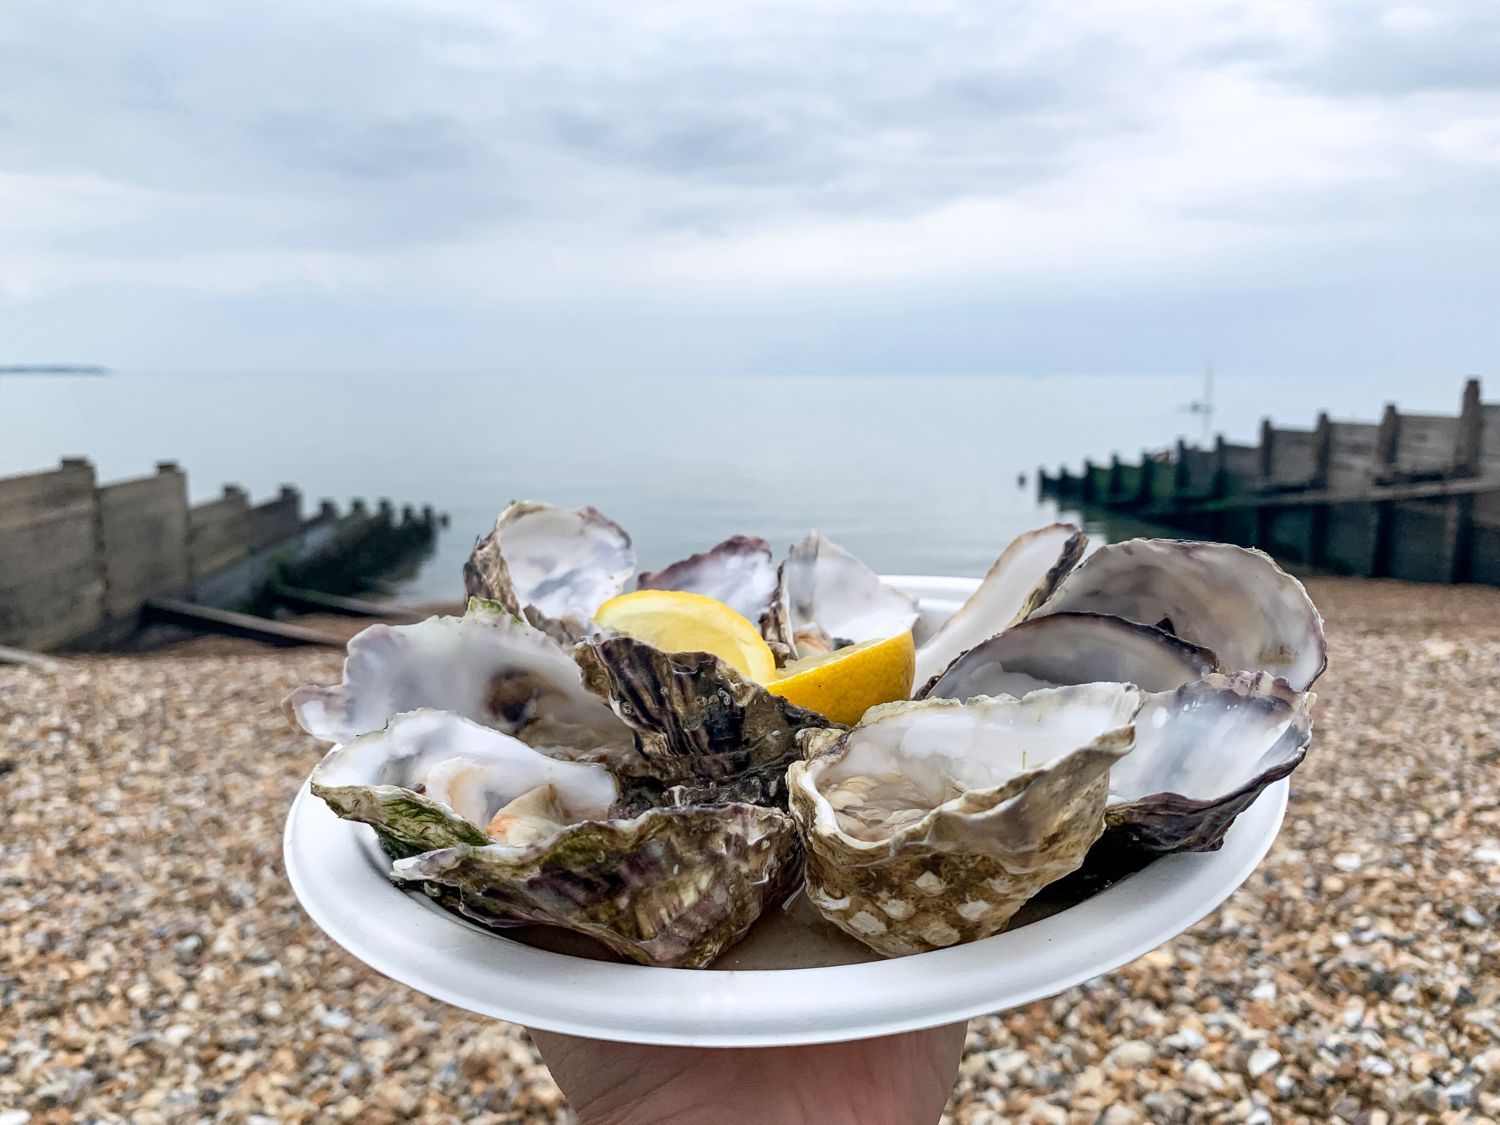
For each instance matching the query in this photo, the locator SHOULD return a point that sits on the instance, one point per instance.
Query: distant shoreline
(52, 369)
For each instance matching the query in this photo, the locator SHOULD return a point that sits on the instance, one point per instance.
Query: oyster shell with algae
(552, 566)
(931, 823)
(433, 779)
(672, 886)
(509, 836)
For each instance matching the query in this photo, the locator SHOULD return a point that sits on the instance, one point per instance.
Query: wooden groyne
(1414, 496)
(80, 560)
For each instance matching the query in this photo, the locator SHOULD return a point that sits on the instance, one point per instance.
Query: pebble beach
(155, 967)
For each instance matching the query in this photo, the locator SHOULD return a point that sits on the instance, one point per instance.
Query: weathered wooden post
(1386, 439)
(1144, 497)
(1218, 488)
(1458, 527)
(1317, 522)
(1264, 516)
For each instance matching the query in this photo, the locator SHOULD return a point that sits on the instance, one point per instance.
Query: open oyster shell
(698, 723)
(931, 823)
(740, 572)
(1071, 648)
(552, 566)
(432, 779)
(827, 599)
(486, 666)
(1202, 755)
(672, 887)
(1232, 600)
(1021, 579)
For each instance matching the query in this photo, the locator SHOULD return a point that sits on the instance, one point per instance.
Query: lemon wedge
(847, 682)
(676, 621)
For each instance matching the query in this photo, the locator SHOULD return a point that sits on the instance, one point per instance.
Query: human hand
(896, 1080)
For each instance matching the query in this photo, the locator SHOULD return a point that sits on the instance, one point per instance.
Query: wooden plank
(170, 611)
(1430, 490)
(29, 659)
(316, 601)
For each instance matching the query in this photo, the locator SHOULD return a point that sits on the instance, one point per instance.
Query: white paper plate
(339, 876)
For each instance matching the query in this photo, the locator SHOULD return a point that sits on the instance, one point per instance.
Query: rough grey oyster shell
(486, 666)
(1021, 579)
(552, 566)
(1071, 648)
(931, 823)
(672, 887)
(698, 723)
(827, 599)
(1202, 755)
(432, 779)
(740, 572)
(1232, 600)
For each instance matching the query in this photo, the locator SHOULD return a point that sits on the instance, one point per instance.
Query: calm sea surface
(914, 474)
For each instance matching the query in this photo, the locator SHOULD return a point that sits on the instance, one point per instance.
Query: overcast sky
(811, 186)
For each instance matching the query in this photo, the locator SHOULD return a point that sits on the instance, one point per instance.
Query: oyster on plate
(931, 823)
(1234, 601)
(510, 836)
(552, 566)
(486, 666)
(740, 572)
(673, 887)
(1203, 754)
(698, 723)
(1071, 648)
(827, 599)
(1021, 579)
(433, 779)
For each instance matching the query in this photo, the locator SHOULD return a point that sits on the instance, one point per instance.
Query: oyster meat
(1234, 601)
(739, 572)
(433, 779)
(1202, 755)
(1021, 579)
(486, 666)
(931, 823)
(553, 566)
(1071, 648)
(827, 599)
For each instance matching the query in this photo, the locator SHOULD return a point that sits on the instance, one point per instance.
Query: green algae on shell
(432, 779)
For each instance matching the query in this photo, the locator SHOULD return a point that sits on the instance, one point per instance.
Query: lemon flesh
(847, 682)
(677, 621)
